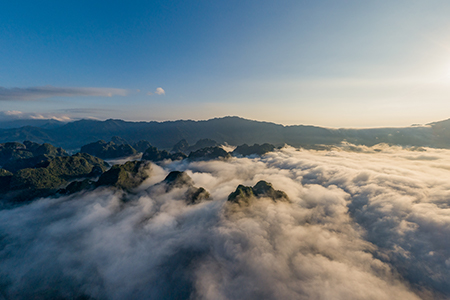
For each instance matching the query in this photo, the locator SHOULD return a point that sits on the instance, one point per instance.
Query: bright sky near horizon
(326, 63)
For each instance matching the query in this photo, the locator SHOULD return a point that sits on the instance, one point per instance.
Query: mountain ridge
(230, 129)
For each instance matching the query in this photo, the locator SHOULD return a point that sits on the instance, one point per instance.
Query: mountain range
(231, 130)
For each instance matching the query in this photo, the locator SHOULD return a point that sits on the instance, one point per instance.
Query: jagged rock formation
(153, 154)
(109, 150)
(183, 145)
(177, 179)
(119, 140)
(126, 176)
(193, 195)
(246, 194)
(203, 143)
(209, 154)
(141, 146)
(197, 195)
(78, 186)
(257, 149)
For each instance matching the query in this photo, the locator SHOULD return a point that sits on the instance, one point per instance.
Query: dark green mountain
(126, 176)
(106, 150)
(45, 180)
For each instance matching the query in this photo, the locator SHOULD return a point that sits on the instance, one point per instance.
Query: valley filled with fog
(358, 223)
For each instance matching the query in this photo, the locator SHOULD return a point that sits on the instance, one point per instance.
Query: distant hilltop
(226, 130)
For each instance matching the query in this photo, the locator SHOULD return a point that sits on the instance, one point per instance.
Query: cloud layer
(361, 224)
(39, 92)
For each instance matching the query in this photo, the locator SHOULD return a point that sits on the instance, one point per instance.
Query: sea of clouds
(361, 223)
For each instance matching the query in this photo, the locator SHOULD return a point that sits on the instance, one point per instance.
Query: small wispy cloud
(40, 92)
(86, 110)
(60, 118)
(12, 115)
(160, 91)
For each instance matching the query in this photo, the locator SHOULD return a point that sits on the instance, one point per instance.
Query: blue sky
(328, 63)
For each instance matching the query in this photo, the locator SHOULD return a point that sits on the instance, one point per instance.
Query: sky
(326, 63)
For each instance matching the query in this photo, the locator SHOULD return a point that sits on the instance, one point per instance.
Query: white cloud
(361, 224)
(160, 91)
(62, 118)
(12, 113)
(18, 115)
(40, 92)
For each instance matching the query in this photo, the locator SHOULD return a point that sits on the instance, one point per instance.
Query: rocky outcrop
(203, 143)
(183, 145)
(78, 186)
(209, 154)
(119, 140)
(126, 176)
(256, 149)
(193, 195)
(155, 155)
(141, 146)
(177, 179)
(246, 194)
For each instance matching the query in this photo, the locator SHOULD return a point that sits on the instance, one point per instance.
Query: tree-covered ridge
(116, 148)
(39, 170)
(58, 172)
(15, 156)
(126, 176)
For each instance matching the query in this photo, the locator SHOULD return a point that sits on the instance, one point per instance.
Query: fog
(361, 223)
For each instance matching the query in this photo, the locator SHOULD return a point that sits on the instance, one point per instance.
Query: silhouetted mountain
(231, 130)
